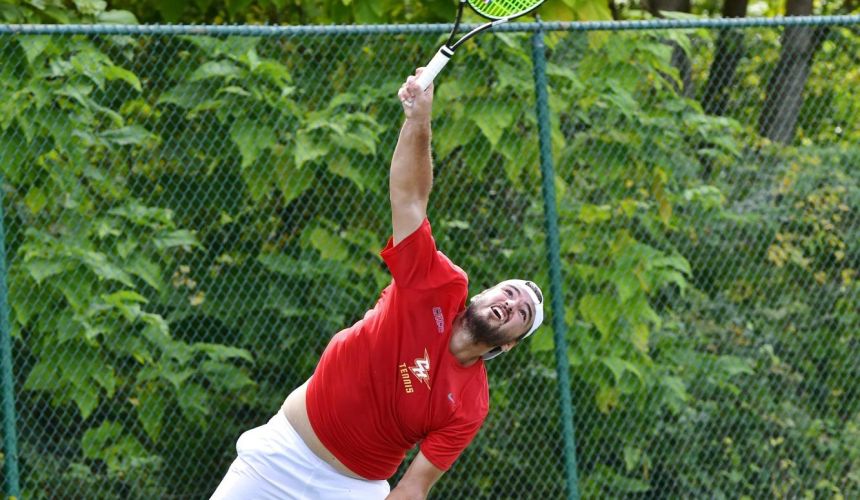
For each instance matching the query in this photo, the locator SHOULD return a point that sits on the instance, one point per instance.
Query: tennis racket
(498, 11)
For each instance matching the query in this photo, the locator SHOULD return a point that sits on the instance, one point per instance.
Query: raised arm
(411, 176)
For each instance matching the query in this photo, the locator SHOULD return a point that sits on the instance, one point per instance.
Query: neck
(463, 347)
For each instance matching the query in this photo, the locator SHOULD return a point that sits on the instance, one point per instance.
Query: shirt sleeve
(416, 263)
(442, 447)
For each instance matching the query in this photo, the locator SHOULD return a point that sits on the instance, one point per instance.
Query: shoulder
(458, 274)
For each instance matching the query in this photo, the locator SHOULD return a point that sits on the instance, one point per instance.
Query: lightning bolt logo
(421, 370)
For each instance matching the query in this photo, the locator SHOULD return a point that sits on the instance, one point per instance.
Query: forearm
(404, 492)
(417, 481)
(411, 176)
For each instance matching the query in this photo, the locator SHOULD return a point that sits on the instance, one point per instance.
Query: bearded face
(481, 328)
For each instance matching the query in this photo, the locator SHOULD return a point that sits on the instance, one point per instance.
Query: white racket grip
(443, 55)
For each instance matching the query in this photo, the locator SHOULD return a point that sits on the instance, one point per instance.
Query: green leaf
(362, 141)
(86, 397)
(178, 238)
(95, 440)
(291, 181)
(13, 152)
(186, 95)
(592, 214)
(538, 343)
(593, 11)
(35, 200)
(33, 45)
(126, 302)
(147, 270)
(44, 377)
(117, 73)
(258, 177)
(675, 277)
(106, 378)
(453, 135)
(194, 402)
(220, 352)
(251, 138)
(67, 328)
(274, 71)
(172, 11)
(342, 166)
(675, 394)
(626, 284)
(150, 411)
(158, 333)
(639, 337)
(632, 457)
(619, 367)
(118, 17)
(295, 268)
(306, 149)
(606, 398)
(177, 379)
(90, 7)
(599, 310)
(40, 269)
(113, 446)
(493, 118)
(330, 246)
(216, 69)
(733, 365)
(125, 136)
(674, 261)
(99, 264)
(225, 376)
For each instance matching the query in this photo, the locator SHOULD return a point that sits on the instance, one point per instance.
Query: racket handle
(443, 55)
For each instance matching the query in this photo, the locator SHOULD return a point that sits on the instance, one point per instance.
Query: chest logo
(421, 369)
(440, 320)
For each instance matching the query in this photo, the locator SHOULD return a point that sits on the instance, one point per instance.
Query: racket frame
(446, 51)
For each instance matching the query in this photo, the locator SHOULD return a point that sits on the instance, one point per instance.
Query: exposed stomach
(296, 410)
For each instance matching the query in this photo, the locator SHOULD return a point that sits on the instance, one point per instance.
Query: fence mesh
(190, 218)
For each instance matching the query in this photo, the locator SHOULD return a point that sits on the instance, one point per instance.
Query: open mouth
(498, 312)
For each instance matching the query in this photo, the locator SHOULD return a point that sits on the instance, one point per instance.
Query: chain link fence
(191, 213)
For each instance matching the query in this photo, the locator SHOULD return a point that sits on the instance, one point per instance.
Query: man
(411, 371)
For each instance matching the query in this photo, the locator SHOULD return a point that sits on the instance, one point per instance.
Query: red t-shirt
(389, 381)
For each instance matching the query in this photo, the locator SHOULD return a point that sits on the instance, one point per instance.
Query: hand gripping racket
(498, 11)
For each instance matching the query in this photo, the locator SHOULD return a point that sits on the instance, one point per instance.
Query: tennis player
(410, 372)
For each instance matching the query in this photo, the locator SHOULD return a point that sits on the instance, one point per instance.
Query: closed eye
(523, 313)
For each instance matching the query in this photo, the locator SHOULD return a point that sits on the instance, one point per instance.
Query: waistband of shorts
(282, 422)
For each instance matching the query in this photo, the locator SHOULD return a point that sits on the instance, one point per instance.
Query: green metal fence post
(10, 436)
(553, 254)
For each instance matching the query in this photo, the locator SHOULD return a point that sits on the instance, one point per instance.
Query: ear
(510, 345)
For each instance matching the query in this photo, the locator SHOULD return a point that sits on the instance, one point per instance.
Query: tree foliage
(191, 218)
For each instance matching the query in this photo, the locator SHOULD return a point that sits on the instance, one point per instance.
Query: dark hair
(536, 290)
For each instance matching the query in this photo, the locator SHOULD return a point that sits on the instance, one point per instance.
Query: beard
(480, 329)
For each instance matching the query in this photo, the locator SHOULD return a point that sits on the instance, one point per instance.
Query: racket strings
(503, 8)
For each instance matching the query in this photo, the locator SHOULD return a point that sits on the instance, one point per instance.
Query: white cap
(537, 301)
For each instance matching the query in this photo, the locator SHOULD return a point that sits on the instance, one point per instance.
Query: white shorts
(274, 463)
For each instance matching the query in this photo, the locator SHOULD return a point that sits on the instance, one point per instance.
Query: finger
(418, 71)
(413, 87)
